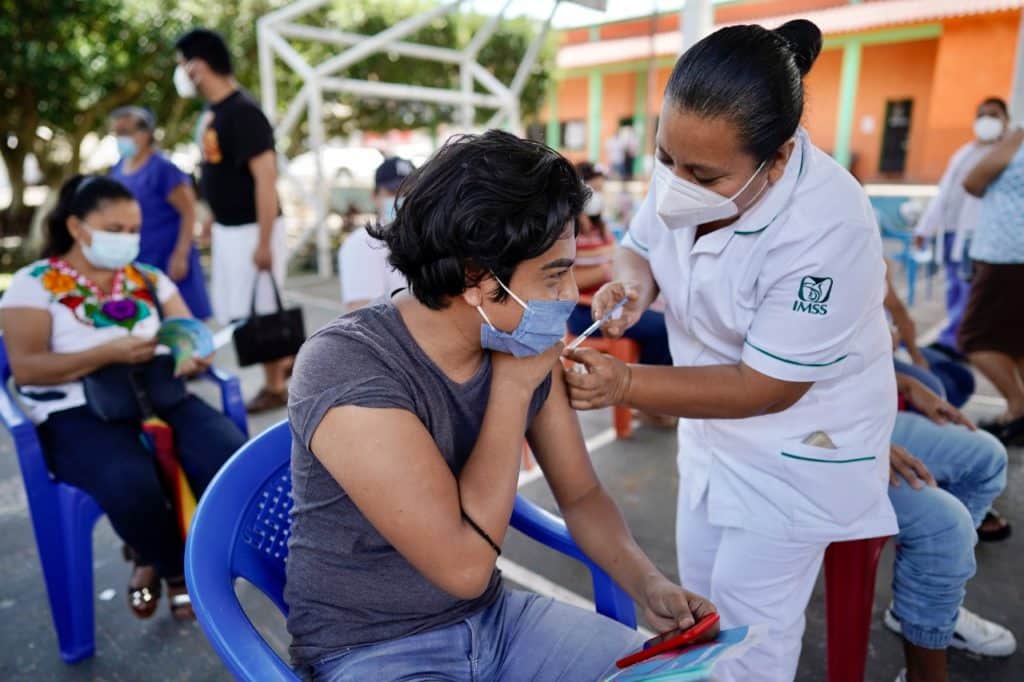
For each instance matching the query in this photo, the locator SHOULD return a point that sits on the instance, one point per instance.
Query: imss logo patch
(813, 295)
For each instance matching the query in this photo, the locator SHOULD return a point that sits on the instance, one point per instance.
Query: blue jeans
(935, 544)
(957, 290)
(952, 380)
(649, 331)
(523, 636)
(109, 461)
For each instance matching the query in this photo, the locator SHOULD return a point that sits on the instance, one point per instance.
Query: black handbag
(123, 392)
(273, 336)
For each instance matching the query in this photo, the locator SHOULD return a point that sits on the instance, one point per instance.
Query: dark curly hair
(481, 205)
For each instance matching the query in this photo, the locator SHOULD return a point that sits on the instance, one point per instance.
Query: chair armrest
(230, 632)
(546, 528)
(551, 531)
(230, 397)
(29, 450)
(11, 414)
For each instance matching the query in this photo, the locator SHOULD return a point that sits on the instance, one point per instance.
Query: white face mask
(183, 83)
(111, 250)
(682, 203)
(988, 128)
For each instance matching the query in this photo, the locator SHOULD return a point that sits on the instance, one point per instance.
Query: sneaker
(982, 637)
(902, 677)
(973, 634)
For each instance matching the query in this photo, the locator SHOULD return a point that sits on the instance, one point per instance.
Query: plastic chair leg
(850, 569)
(623, 422)
(66, 557)
(911, 280)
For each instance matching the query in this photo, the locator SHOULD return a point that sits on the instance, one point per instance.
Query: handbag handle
(255, 288)
(135, 373)
(151, 287)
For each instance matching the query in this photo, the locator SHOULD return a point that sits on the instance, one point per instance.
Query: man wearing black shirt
(238, 178)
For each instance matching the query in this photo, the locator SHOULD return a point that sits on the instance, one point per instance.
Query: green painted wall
(595, 94)
(849, 77)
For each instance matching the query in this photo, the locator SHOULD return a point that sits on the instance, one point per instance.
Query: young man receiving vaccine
(408, 418)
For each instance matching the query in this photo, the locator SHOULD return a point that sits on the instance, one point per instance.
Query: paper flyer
(186, 338)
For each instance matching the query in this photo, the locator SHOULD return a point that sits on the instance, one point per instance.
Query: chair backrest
(26, 442)
(240, 530)
(245, 512)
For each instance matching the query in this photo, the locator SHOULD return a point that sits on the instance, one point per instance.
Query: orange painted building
(892, 94)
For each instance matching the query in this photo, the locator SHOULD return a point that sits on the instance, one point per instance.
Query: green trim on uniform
(635, 243)
(827, 461)
(799, 174)
(794, 362)
(745, 232)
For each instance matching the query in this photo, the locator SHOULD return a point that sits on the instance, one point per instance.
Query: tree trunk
(54, 175)
(14, 219)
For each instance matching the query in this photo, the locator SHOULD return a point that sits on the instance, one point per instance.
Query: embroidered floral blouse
(83, 317)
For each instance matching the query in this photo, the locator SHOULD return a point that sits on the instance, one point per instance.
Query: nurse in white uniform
(769, 259)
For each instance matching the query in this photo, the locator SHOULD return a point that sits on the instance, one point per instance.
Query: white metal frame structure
(275, 29)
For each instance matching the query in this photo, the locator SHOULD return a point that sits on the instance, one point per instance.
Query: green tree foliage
(65, 64)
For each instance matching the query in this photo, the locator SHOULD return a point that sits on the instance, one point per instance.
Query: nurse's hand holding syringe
(633, 281)
(616, 296)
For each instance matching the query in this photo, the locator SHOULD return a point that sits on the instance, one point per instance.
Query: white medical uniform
(363, 269)
(953, 209)
(793, 289)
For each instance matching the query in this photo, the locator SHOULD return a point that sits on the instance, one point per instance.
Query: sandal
(267, 400)
(143, 597)
(180, 602)
(1001, 530)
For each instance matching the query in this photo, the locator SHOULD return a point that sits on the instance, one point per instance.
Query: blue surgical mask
(542, 326)
(126, 146)
(388, 209)
(111, 250)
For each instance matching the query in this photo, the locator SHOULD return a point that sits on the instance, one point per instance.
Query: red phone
(673, 639)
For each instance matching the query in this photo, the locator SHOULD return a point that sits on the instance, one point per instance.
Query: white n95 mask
(681, 203)
(988, 128)
(183, 83)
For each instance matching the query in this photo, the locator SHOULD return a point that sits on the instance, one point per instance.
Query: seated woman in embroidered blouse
(85, 306)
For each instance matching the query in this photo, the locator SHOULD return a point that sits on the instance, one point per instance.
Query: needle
(597, 325)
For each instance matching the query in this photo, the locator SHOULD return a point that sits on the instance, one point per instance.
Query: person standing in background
(992, 332)
(953, 214)
(363, 270)
(168, 203)
(238, 179)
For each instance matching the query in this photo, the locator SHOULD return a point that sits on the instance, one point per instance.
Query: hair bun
(804, 40)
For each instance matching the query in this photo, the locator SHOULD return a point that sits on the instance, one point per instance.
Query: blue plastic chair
(892, 230)
(63, 518)
(241, 529)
